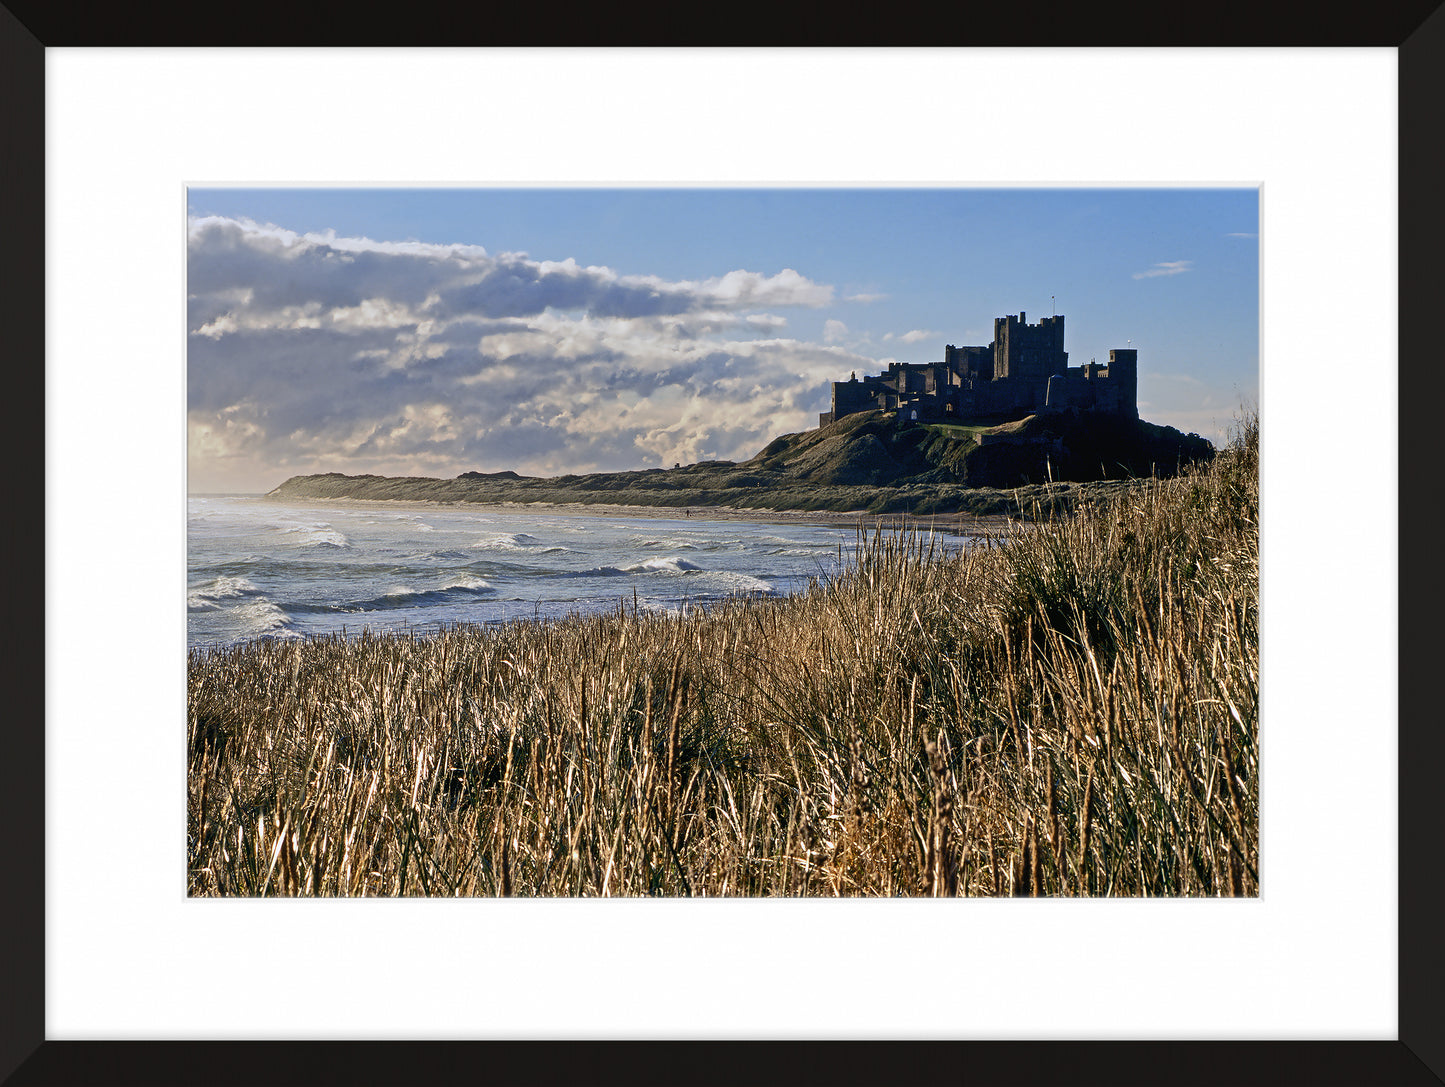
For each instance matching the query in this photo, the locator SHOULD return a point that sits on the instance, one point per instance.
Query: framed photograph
(149, 964)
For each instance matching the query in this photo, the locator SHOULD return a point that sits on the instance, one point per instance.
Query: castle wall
(969, 363)
(850, 397)
(1111, 389)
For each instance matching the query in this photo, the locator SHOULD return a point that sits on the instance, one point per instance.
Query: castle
(1024, 371)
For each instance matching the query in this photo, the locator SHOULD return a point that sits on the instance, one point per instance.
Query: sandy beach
(963, 524)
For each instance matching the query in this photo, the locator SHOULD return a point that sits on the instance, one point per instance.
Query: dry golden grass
(1073, 711)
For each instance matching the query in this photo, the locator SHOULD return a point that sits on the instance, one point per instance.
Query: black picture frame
(1417, 1056)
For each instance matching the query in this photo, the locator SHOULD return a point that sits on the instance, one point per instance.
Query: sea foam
(206, 597)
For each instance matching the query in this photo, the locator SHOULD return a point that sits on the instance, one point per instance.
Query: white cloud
(834, 330)
(914, 335)
(312, 353)
(769, 321)
(787, 288)
(283, 268)
(1166, 268)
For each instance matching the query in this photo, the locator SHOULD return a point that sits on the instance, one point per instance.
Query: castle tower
(1032, 352)
(1124, 375)
(1054, 399)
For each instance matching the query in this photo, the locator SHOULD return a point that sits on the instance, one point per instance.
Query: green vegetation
(868, 462)
(1072, 711)
(957, 430)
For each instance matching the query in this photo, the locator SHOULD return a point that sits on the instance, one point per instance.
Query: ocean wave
(516, 541)
(247, 610)
(507, 541)
(426, 565)
(261, 618)
(401, 520)
(764, 540)
(743, 583)
(206, 597)
(312, 534)
(468, 583)
(669, 565)
(670, 545)
(238, 565)
(403, 596)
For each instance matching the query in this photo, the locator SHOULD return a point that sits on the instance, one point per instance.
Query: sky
(433, 331)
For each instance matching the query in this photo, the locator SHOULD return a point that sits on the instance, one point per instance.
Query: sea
(259, 568)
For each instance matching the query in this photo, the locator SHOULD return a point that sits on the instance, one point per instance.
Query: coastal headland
(870, 464)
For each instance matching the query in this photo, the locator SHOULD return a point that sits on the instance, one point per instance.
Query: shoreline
(956, 523)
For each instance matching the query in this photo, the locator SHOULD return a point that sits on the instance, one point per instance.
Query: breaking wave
(312, 534)
(402, 596)
(207, 597)
(261, 618)
(669, 565)
(516, 541)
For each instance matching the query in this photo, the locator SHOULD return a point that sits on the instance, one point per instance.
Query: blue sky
(559, 330)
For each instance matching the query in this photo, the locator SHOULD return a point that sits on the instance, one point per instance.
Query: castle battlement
(1024, 371)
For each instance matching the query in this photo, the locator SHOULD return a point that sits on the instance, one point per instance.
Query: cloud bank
(314, 353)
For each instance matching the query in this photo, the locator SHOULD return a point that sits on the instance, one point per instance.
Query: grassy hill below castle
(869, 461)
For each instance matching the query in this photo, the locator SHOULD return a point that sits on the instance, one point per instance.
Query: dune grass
(1071, 711)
